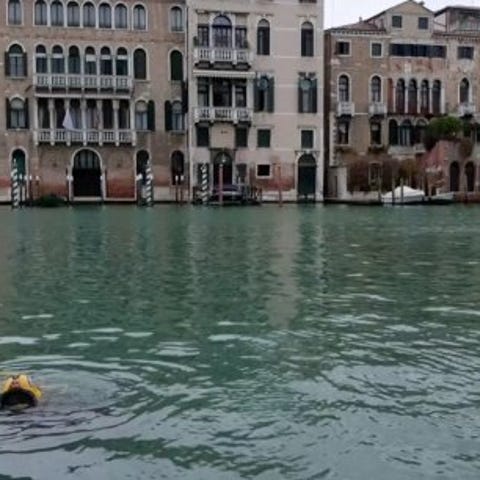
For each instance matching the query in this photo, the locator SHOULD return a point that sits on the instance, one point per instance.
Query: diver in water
(18, 392)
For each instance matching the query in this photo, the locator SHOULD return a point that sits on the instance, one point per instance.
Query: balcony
(222, 114)
(85, 137)
(377, 109)
(345, 109)
(54, 81)
(233, 56)
(467, 109)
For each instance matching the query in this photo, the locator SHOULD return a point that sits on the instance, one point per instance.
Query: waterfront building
(386, 78)
(94, 97)
(255, 83)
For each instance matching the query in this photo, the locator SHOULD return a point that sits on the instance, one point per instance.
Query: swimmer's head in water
(19, 392)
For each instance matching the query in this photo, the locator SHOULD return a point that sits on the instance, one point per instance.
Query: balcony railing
(82, 82)
(85, 137)
(377, 109)
(222, 55)
(467, 109)
(345, 109)
(223, 114)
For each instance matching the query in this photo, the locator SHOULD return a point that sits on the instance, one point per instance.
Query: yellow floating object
(18, 390)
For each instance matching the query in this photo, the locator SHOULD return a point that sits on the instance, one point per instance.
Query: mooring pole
(220, 184)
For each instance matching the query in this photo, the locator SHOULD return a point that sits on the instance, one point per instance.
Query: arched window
(400, 96)
(222, 32)
(412, 97)
(376, 89)
(73, 14)
(425, 97)
(14, 12)
(90, 65)
(140, 64)
(470, 176)
(454, 177)
(139, 17)
(41, 17)
(177, 167)
(264, 94)
(89, 15)
(420, 132)
(307, 95)
(105, 15)
(464, 91)
(437, 97)
(307, 40)
(343, 88)
(41, 64)
(393, 132)
(121, 16)
(58, 60)
(17, 113)
(106, 64)
(177, 117)
(56, 14)
(74, 60)
(176, 66)
(121, 65)
(141, 117)
(176, 19)
(405, 134)
(124, 114)
(16, 66)
(263, 38)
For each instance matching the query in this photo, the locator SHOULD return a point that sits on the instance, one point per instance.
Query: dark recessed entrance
(225, 160)
(307, 178)
(86, 174)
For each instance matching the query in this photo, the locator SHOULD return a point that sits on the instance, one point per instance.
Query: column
(116, 106)
(83, 108)
(66, 106)
(51, 117)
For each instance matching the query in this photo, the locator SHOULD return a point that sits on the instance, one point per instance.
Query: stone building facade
(255, 82)
(90, 87)
(386, 78)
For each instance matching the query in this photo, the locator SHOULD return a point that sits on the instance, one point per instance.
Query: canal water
(264, 343)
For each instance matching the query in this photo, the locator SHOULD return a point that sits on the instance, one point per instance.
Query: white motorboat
(404, 196)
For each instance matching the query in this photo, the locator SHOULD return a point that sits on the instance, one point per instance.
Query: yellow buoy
(19, 391)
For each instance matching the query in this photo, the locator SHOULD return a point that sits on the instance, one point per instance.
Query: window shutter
(314, 96)
(25, 66)
(271, 95)
(7, 64)
(8, 114)
(168, 116)
(256, 96)
(27, 116)
(184, 97)
(151, 116)
(300, 103)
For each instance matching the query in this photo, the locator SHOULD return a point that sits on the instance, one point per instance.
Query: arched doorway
(142, 161)
(454, 177)
(307, 178)
(177, 167)
(19, 161)
(470, 175)
(86, 174)
(225, 160)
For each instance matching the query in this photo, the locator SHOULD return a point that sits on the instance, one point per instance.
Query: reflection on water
(293, 343)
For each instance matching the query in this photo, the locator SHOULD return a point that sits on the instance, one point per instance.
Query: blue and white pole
(149, 186)
(204, 182)
(15, 187)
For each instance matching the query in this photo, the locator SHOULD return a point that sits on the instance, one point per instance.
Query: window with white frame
(105, 15)
(90, 63)
(14, 12)
(177, 116)
(17, 114)
(40, 11)
(58, 60)
(41, 62)
(176, 19)
(16, 66)
(139, 17)
(121, 16)
(141, 115)
(89, 15)
(73, 14)
(56, 14)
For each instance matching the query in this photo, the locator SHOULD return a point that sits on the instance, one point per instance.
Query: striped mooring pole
(15, 187)
(149, 186)
(204, 184)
